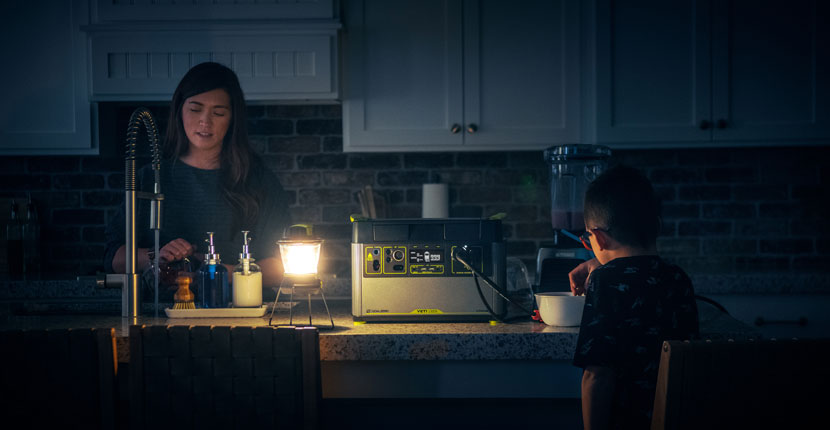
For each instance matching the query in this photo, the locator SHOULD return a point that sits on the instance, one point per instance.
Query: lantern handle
(306, 227)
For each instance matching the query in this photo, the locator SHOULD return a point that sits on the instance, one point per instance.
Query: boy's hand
(579, 276)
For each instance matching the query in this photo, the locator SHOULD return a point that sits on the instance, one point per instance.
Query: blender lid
(580, 151)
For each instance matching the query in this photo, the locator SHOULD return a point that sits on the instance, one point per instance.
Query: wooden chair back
(58, 378)
(742, 384)
(224, 377)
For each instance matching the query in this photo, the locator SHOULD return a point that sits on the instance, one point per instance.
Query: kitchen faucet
(131, 289)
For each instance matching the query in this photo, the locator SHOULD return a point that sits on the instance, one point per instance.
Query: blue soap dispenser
(213, 290)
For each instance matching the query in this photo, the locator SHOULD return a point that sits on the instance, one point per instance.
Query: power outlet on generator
(373, 259)
(473, 256)
(394, 260)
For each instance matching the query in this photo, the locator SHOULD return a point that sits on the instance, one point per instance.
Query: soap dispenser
(213, 290)
(247, 279)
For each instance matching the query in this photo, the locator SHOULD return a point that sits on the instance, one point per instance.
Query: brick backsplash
(726, 210)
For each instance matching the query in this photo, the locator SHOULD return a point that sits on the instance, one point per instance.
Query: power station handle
(455, 129)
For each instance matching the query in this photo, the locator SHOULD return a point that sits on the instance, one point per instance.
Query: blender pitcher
(572, 168)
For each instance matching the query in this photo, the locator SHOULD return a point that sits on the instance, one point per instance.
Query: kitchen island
(525, 359)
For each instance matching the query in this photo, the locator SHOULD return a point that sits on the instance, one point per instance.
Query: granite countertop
(350, 341)
(87, 287)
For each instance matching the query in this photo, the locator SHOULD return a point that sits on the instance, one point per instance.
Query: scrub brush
(183, 299)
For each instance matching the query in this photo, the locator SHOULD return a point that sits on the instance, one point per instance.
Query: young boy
(634, 301)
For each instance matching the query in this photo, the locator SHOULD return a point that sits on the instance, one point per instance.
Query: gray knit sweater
(193, 205)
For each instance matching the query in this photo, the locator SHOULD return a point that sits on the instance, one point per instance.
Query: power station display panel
(426, 256)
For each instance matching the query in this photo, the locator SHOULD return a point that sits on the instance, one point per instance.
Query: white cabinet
(450, 75)
(279, 50)
(712, 73)
(44, 108)
(142, 64)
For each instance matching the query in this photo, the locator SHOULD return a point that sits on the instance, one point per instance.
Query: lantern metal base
(301, 286)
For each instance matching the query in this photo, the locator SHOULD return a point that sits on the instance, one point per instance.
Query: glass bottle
(168, 274)
(247, 279)
(213, 290)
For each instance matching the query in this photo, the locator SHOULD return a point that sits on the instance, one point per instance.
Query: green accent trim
(411, 313)
(437, 266)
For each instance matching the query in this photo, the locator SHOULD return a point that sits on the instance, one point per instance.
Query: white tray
(216, 313)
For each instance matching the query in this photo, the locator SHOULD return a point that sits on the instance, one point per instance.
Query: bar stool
(58, 378)
(756, 384)
(196, 377)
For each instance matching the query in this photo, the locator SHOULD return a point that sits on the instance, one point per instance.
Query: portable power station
(402, 269)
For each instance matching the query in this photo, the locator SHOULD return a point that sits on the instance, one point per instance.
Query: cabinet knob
(705, 124)
(472, 128)
(721, 124)
(455, 128)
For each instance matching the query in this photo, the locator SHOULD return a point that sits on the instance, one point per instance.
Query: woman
(211, 180)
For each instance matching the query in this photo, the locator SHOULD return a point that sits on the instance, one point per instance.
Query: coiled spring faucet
(131, 289)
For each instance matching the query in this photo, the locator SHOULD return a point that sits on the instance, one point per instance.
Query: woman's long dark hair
(238, 186)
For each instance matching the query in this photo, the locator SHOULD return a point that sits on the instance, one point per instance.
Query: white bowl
(560, 309)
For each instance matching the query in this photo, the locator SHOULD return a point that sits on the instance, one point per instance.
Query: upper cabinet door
(712, 73)
(44, 108)
(403, 75)
(461, 76)
(521, 73)
(771, 71)
(653, 71)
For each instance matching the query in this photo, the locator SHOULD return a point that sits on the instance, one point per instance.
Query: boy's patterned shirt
(632, 305)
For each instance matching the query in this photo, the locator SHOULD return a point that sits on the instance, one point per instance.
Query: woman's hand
(176, 250)
(579, 276)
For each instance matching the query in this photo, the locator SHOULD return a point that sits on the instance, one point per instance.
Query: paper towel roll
(436, 202)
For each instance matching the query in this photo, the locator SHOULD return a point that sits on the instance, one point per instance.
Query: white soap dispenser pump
(247, 279)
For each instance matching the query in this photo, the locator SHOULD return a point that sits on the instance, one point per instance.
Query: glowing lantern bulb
(300, 257)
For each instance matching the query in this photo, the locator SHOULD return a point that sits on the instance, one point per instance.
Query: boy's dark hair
(622, 202)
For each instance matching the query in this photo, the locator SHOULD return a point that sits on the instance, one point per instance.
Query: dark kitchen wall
(754, 210)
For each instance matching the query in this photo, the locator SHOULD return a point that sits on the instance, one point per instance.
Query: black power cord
(712, 302)
(493, 285)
